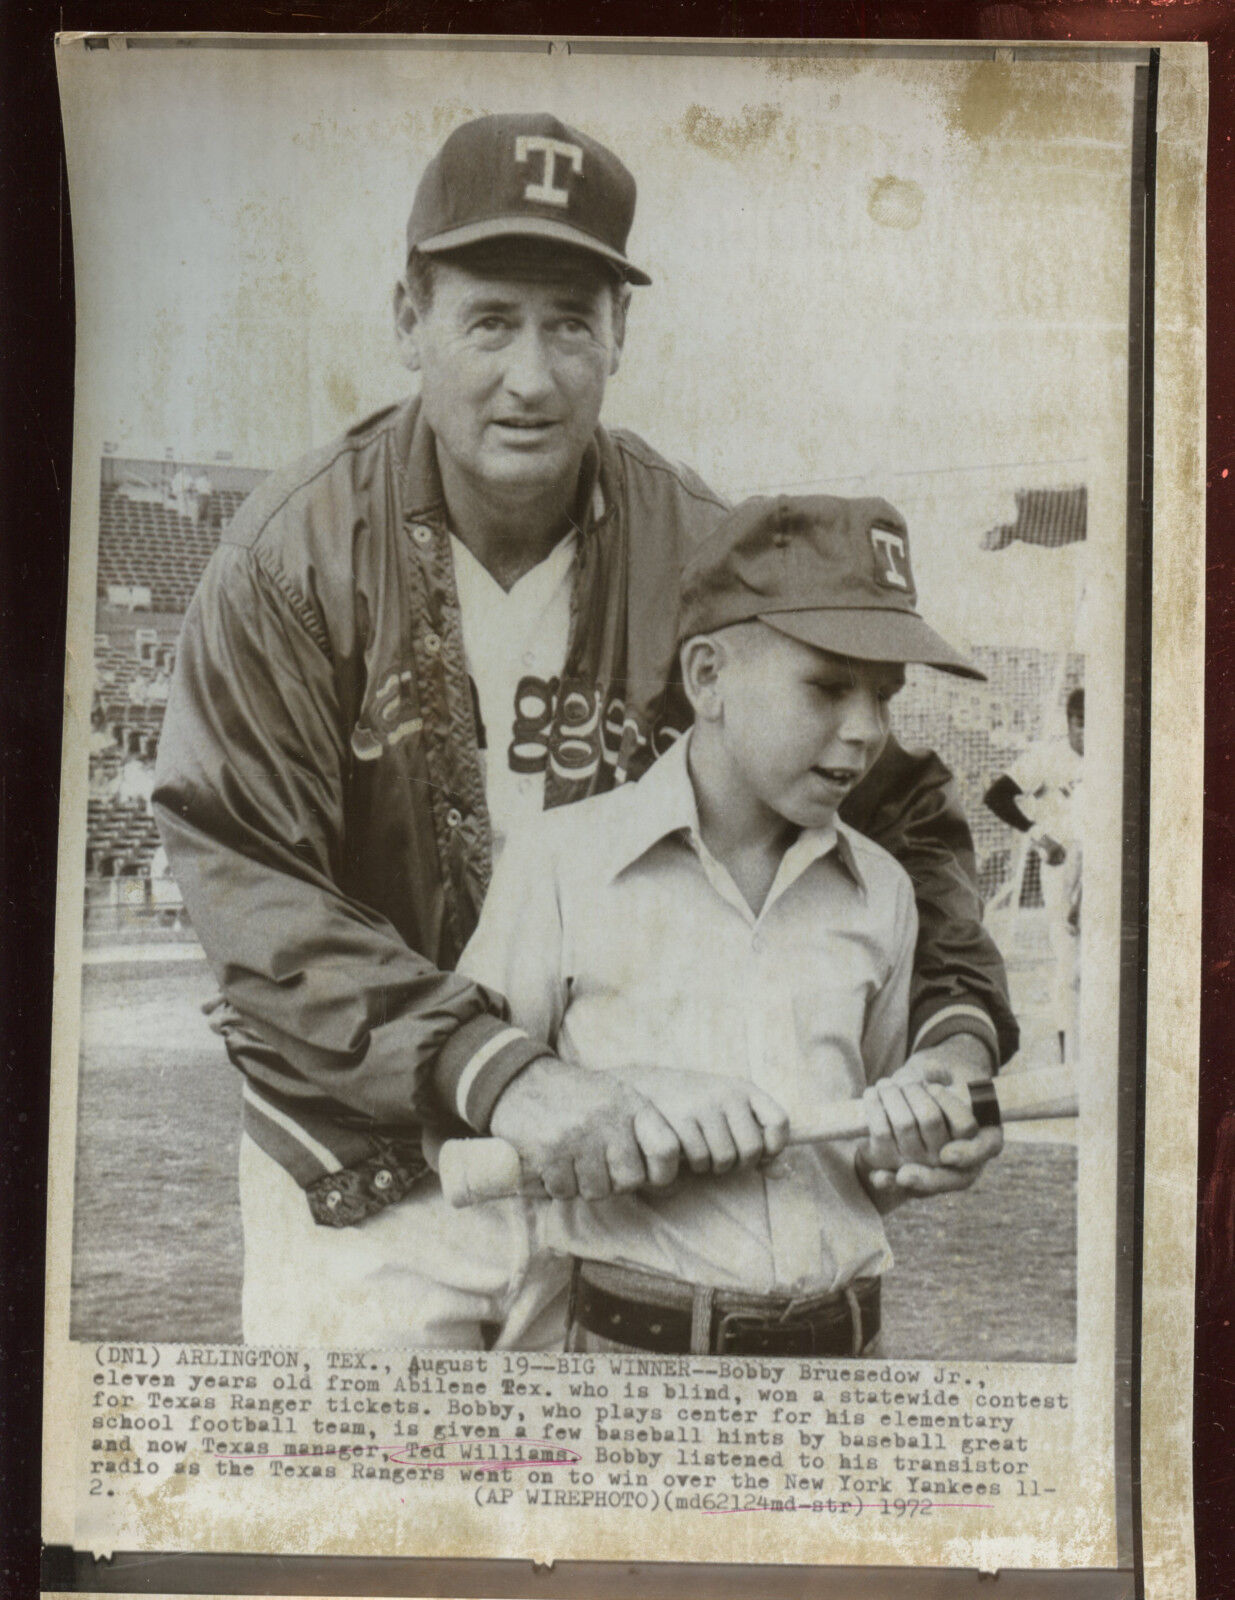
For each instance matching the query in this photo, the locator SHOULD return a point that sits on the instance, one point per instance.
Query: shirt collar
(662, 803)
(847, 855)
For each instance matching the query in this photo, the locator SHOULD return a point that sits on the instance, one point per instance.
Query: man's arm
(959, 1009)
(249, 799)
(250, 803)
(1000, 799)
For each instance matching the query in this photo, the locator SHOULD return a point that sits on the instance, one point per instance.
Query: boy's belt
(652, 1312)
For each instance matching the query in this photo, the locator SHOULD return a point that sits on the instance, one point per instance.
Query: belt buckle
(793, 1315)
(733, 1320)
(772, 1321)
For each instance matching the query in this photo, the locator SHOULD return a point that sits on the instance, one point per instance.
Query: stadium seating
(120, 839)
(145, 544)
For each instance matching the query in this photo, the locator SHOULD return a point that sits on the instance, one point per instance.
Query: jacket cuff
(953, 1018)
(476, 1064)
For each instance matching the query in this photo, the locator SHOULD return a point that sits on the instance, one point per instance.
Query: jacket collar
(662, 804)
(421, 483)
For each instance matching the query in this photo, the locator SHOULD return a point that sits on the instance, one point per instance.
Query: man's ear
(701, 659)
(407, 327)
(621, 304)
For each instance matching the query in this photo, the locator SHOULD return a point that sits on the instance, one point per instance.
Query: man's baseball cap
(525, 175)
(832, 573)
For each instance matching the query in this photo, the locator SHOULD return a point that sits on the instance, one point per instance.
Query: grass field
(988, 1275)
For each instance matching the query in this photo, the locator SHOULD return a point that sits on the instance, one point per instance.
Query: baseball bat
(472, 1170)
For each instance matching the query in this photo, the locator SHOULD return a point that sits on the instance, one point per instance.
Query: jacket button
(421, 534)
(334, 1200)
(453, 817)
(432, 643)
(382, 1179)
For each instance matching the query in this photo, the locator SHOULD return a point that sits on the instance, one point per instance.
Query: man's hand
(584, 1133)
(721, 1124)
(924, 1139)
(1051, 850)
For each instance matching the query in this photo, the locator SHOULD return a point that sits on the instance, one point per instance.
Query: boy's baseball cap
(833, 573)
(525, 175)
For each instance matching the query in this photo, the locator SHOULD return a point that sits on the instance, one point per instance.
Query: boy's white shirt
(620, 940)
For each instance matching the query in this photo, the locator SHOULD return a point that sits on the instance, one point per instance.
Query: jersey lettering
(572, 733)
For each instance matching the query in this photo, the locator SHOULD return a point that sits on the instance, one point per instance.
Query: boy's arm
(923, 1139)
(519, 950)
(958, 1002)
(517, 946)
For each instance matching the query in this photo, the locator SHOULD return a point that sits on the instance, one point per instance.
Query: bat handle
(472, 1170)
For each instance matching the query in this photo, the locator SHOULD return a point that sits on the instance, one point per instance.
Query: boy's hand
(924, 1139)
(719, 1124)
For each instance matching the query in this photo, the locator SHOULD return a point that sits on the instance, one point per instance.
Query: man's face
(513, 370)
(1076, 731)
(800, 726)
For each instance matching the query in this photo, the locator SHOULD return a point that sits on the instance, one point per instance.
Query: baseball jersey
(514, 641)
(620, 939)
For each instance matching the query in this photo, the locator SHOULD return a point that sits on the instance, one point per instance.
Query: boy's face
(799, 726)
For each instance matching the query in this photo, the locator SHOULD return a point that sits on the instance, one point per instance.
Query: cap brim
(873, 634)
(530, 228)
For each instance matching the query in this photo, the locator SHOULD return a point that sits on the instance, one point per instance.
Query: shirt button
(432, 643)
(382, 1179)
(421, 534)
(334, 1200)
(453, 818)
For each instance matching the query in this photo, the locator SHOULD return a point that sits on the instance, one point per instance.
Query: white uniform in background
(1049, 777)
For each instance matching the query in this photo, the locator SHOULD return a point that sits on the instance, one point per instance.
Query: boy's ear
(701, 659)
(407, 327)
